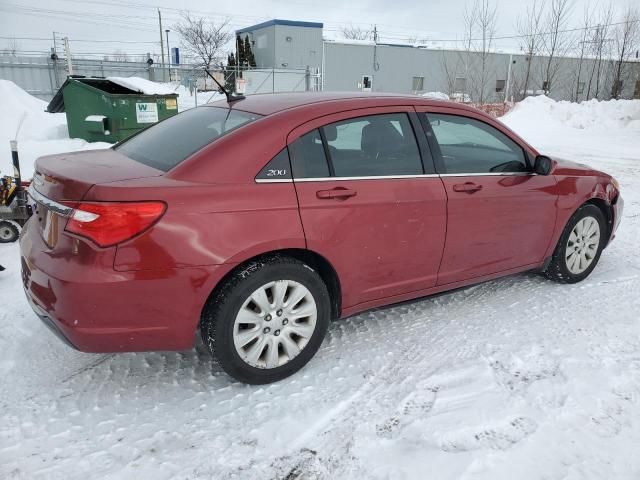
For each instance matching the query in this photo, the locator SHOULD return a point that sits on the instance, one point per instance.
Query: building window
(580, 88)
(500, 85)
(460, 85)
(417, 84)
(636, 91)
(365, 85)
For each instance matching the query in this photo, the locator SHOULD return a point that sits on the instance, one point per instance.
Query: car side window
(376, 145)
(308, 158)
(471, 146)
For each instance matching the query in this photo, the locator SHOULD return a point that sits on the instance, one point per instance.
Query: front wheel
(579, 247)
(268, 320)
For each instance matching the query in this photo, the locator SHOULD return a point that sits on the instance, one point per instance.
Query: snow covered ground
(515, 378)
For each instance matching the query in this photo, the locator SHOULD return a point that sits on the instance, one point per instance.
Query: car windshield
(166, 144)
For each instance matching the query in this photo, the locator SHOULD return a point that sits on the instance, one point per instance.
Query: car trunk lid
(60, 180)
(69, 176)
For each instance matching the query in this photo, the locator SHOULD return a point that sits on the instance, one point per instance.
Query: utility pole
(506, 88)
(67, 52)
(161, 41)
(168, 53)
(376, 66)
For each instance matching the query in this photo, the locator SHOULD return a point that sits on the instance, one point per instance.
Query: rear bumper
(94, 308)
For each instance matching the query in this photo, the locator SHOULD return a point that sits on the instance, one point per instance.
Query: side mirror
(542, 165)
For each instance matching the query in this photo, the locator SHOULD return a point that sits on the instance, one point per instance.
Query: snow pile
(436, 95)
(143, 85)
(589, 115)
(596, 126)
(20, 107)
(40, 133)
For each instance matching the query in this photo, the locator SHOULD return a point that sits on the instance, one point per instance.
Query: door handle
(339, 192)
(468, 187)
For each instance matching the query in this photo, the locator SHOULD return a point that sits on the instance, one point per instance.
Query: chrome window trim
(489, 174)
(274, 180)
(48, 203)
(366, 177)
(396, 177)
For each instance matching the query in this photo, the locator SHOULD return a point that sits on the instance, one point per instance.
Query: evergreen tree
(240, 51)
(230, 73)
(249, 58)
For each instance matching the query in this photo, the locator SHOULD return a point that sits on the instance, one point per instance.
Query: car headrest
(330, 132)
(379, 137)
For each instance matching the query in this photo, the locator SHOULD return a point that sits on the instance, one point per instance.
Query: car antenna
(230, 97)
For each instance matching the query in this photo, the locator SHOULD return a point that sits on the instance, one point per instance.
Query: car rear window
(166, 144)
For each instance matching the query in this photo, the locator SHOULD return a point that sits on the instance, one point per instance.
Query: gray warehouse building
(293, 55)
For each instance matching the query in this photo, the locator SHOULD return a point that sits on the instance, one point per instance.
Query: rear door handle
(339, 192)
(468, 187)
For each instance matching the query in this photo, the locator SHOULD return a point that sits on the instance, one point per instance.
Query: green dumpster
(113, 108)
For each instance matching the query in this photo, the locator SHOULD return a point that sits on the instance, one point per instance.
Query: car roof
(270, 103)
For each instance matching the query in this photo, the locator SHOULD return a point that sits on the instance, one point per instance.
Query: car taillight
(110, 223)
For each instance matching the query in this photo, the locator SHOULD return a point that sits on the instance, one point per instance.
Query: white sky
(95, 26)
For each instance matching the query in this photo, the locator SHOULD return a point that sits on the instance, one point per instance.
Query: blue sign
(175, 56)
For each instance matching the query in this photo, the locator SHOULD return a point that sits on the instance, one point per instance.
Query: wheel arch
(606, 209)
(316, 261)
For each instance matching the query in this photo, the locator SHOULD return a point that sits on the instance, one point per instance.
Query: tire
(224, 329)
(9, 233)
(562, 267)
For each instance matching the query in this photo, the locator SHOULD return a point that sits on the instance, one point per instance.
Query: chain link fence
(43, 76)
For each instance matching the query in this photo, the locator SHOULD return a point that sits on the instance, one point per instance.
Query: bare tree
(119, 56)
(480, 26)
(351, 32)
(584, 48)
(626, 37)
(600, 47)
(555, 41)
(452, 70)
(530, 28)
(12, 47)
(204, 39)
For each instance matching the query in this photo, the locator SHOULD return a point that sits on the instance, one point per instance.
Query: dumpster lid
(142, 85)
(110, 85)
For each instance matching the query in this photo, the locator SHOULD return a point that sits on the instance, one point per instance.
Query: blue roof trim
(289, 23)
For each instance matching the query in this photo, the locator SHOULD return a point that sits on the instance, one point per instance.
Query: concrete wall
(395, 66)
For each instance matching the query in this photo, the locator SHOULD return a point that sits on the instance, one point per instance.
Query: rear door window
(166, 144)
(373, 146)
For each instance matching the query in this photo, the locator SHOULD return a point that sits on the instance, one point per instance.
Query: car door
(501, 215)
(370, 201)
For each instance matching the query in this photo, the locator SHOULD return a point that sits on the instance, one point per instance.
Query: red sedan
(258, 221)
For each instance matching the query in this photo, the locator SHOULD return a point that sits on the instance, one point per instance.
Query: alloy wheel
(275, 324)
(582, 245)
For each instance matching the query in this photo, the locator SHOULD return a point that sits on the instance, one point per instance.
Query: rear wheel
(8, 232)
(268, 320)
(579, 247)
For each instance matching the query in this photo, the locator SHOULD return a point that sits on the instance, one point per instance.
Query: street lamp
(168, 52)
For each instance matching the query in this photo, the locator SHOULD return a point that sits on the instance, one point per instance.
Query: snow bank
(589, 115)
(436, 95)
(40, 133)
(142, 85)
